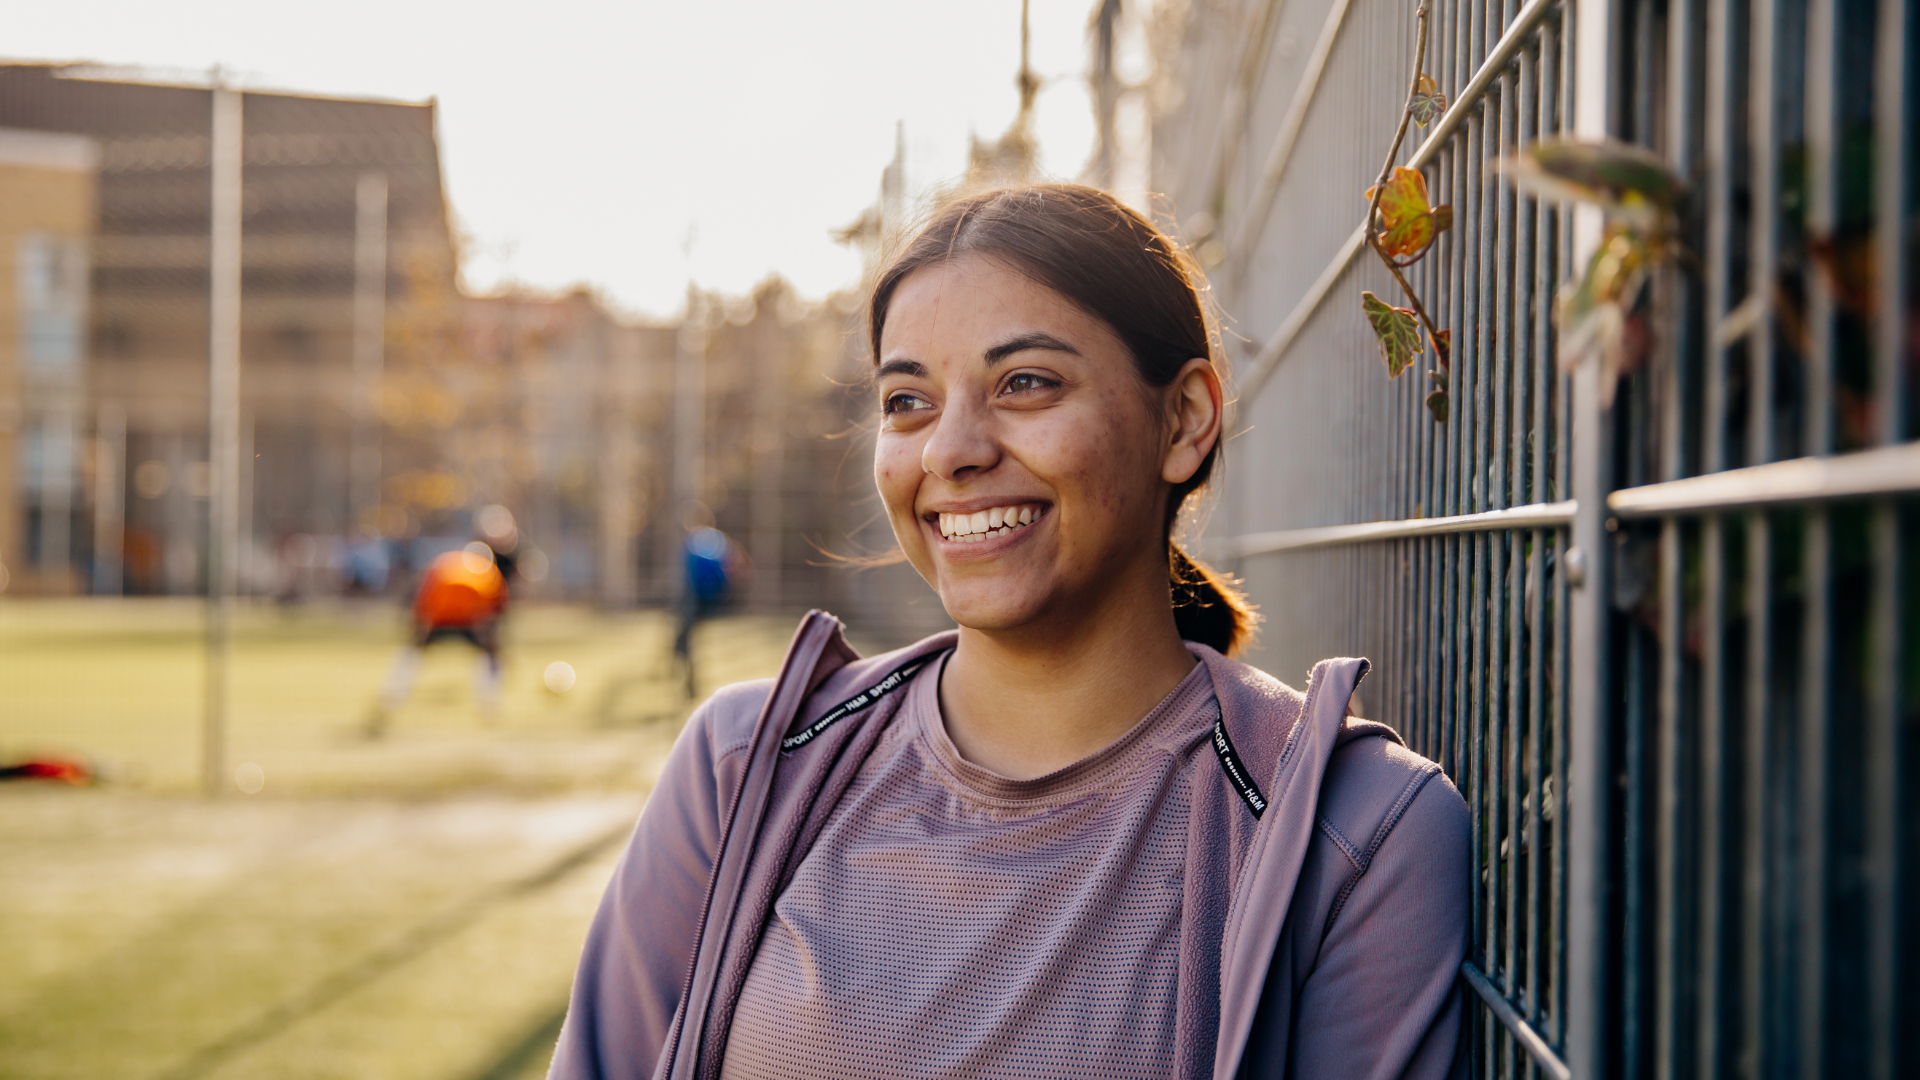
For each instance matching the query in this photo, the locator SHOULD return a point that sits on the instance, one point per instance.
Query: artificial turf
(407, 906)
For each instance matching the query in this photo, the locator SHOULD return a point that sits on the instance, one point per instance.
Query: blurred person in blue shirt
(712, 566)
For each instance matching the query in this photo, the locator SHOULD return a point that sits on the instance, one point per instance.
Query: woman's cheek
(895, 473)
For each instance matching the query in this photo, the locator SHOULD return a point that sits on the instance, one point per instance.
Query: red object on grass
(62, 769)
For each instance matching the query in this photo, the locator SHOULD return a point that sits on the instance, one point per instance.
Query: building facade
(343, 202)
(47, 208)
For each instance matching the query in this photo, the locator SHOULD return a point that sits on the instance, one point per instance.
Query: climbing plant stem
(1386, 172)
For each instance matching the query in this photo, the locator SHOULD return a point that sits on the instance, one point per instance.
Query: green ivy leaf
(1438, 405)
(1397, 329)
(1428, 101)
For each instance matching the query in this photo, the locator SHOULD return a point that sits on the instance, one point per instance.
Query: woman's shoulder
(1374, 784)
(725, 721)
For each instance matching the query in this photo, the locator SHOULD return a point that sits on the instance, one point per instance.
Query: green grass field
(408, 906)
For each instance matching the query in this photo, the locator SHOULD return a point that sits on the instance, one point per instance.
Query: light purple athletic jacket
(1320, 938)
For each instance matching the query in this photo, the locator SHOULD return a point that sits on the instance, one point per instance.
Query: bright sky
(584, 140)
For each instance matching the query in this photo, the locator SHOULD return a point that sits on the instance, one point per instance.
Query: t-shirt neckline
(1162, 726)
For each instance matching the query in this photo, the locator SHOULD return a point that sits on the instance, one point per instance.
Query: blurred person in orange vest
(462, 594)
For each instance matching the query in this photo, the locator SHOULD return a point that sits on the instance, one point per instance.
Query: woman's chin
(991, 613)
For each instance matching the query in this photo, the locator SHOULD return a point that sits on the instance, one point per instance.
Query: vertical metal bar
(1709, 853)
(1564, 924)
(1885, 749)
(1636, 844)
(1517, 104)
(1550, 551)
(1473, 491)
(1448, 734)
(1460, 269)
(223, 419)
(1815, 738)
(1438, 682)
(1885, 803)
(1541, 920)
(1897, 38)
(1538, 845)
(1670, 811)
(1822, 123)
(1500, 698)
(1758, 1036)
(1471, 663)
(1714, 916)
(1764, 245)
(1579, 1050)
(1815, 762)
(1673, 982)
(1590, 777)
(1433, 679)
(1525, 617)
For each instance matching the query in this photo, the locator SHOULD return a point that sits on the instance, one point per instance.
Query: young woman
(1073, 838)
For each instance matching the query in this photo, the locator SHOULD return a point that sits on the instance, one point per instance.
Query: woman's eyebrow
(913, 369)
(1035, 340)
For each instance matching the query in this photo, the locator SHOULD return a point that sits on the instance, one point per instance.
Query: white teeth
(995, 521)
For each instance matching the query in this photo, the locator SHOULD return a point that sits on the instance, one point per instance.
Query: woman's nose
(963, 442)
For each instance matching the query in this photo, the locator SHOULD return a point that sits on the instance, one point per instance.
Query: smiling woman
(1072, 837)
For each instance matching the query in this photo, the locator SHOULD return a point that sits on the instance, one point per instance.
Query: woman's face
(1024, 464)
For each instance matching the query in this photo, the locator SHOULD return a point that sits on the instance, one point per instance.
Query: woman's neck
(1026, 703)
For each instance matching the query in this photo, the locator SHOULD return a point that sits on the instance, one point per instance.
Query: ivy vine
(1402, 224)
(1600, 314)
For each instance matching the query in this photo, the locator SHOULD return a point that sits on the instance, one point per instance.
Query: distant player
(462, 594)
(711, 565)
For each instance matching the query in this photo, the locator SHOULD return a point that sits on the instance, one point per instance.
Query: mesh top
(953, 922)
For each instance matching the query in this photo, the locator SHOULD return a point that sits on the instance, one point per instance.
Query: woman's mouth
(986, 524)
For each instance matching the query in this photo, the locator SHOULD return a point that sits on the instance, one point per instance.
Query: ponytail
(1208, 607)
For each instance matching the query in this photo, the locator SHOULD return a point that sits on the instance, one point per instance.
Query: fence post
(223, 417)
(1589, 797)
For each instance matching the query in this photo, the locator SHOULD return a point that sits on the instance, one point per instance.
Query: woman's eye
(1022, 381)
(895, 404)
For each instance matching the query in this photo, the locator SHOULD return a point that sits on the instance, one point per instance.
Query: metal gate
(1668, 649)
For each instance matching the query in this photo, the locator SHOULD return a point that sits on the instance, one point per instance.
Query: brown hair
(1113, 264)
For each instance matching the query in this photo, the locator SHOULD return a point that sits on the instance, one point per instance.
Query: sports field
(407, 906)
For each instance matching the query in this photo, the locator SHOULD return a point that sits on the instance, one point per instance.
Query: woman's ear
(1196, 406)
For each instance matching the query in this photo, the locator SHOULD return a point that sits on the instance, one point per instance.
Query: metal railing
(1757, 620)
(1458, 591)
(1670, 650)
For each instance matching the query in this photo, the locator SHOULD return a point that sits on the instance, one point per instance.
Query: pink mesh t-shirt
(953, 922)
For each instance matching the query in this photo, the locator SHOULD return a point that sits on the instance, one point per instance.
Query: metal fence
(1669, 650)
